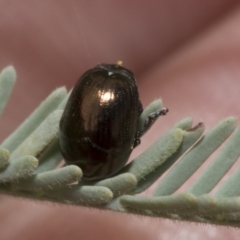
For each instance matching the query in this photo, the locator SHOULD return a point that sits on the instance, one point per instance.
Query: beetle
(98, 129)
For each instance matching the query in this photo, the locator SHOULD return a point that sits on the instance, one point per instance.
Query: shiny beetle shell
(98, 126)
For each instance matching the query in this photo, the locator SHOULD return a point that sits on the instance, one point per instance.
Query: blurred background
(186, 52)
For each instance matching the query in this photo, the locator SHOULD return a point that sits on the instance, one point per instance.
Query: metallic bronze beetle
(98, 129)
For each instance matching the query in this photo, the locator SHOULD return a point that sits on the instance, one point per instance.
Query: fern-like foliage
(30, 156)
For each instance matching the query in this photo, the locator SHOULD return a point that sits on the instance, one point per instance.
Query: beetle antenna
(119, 63)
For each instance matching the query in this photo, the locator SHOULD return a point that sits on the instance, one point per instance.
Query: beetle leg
(88, 140)
(150, 120)
(137, 140)
(94, 145)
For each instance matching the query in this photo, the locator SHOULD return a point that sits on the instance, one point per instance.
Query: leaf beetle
(98, 129)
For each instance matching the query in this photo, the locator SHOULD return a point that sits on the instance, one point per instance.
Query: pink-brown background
(186, 52)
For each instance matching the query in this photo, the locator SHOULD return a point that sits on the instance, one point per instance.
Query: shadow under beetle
(98, 129)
